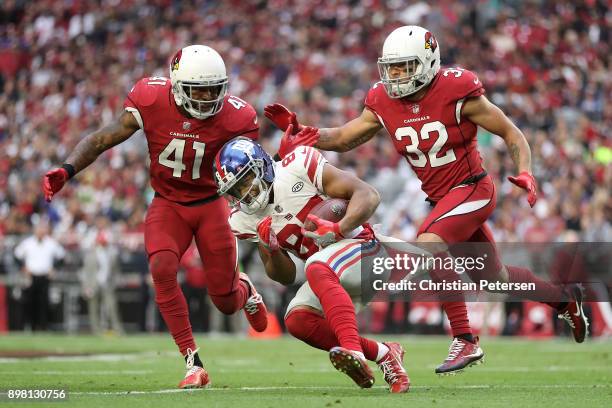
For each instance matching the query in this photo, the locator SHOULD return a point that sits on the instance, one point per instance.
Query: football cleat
(393, 370)
(461, 354)
(353, 365)
(255, 308)
(196, 377)
(574, 315)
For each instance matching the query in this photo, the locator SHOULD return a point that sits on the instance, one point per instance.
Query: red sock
(455, 310)
(337, 305)
(313, 329)
(545, 292)
(170, 299)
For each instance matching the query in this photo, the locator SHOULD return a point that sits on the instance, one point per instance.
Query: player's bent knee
(226, 304)
(298, 323)
(163, 265)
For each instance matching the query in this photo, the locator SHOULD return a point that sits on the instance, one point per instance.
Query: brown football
(330, 210)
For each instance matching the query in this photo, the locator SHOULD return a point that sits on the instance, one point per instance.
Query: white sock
(359, 353)
(382, 351)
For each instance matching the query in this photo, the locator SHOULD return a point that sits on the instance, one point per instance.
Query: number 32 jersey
(181, 148)
(439, 144)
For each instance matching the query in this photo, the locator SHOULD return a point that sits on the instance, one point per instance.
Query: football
(330, 210)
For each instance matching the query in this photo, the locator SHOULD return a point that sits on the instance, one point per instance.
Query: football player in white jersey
(273, 201)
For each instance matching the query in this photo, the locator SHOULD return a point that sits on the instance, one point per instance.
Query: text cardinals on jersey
(182, 149)
(440, 147)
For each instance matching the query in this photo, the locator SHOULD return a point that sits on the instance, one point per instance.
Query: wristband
(277, 158)
(69, 169)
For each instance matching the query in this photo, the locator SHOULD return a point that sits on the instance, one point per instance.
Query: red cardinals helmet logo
(430, 42)
(175, 60)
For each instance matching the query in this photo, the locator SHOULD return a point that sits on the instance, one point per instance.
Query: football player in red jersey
(186, 119)
(432, 116)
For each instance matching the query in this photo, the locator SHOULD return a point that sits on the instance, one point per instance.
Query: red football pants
(169, 230)
(460, 216)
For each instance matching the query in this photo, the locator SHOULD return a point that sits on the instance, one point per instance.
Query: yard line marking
(525, 369)
(80, 372)
(329, 388)
(105, 357)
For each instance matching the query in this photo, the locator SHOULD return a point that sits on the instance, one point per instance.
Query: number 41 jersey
(439, 144)
(181, 148)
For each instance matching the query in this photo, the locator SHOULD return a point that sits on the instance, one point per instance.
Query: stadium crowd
(66, 66)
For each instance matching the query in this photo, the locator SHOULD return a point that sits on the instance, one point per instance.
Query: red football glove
(308, 136)
(267, 237)
(282, 117)
(325, 232)
(526, 181)
(53, 182)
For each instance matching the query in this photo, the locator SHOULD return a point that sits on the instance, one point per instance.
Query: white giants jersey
(297, 188)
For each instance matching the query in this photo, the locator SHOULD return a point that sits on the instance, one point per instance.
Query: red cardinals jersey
(181, 148)
(438, 143)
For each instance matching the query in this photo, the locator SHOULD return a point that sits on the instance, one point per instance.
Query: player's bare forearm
(329, 139)
(349, 136)
(483, 113)
(363, 198)
(94, 144)
(278, 265)
(519, 150)
(361, 206)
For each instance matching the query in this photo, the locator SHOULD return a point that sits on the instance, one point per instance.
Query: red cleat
(393, 370)
(196, 377)
(254, 308)
(352, 365)
(574, 315)
(461, 354)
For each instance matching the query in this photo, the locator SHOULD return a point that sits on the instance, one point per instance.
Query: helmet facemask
(403, 76)
(247, 190)
(200, 99)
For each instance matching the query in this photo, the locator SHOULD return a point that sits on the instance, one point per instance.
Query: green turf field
(142, 371)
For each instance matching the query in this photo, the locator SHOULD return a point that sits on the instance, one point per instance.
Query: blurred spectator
(38, 253)
(98, 279)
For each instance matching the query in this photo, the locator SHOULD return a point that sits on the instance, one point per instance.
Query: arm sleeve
(371, 99)
(20, 250)
(469, 85)
(140, 96)
(308, 165)
(60, 253)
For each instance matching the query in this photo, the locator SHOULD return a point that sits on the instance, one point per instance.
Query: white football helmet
(414, 49)
(198, 68)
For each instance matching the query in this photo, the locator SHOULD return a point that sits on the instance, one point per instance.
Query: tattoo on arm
(324, 138)
(515, 153)
(358, 141)
(94, 144)
(329, 140)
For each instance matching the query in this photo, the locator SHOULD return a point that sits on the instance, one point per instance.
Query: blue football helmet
(244, 172)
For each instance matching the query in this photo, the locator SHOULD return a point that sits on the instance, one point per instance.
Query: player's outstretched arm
(87, 150)
(482, 112)
(350, 135)
(363, 198)
(94, 144)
